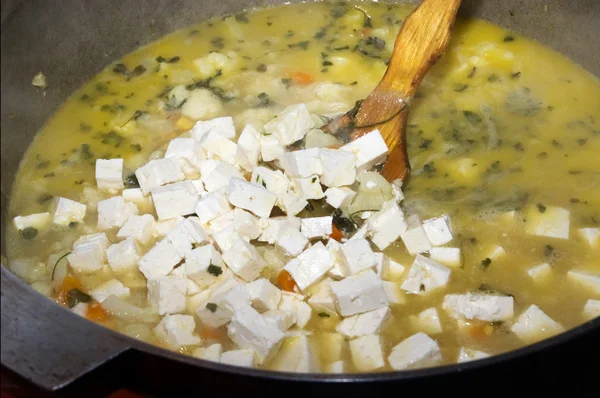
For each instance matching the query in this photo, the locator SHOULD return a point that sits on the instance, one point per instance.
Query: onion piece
(129, 312)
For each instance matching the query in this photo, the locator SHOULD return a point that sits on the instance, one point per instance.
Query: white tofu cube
(425, 275)
(226, 238)
(246, 224)
(177, 330)
(139, 228)
(417, 351)
(112, 287)
(362, 232)
(210, 353)
(397, 190)
(203, 265)
(291, 125)
(590, 235)
(587, 280)
(135, 195)
(395, 270)
(244, 260)
(271, 148)
(282, 320)
(468, 354)
(310, 266)
(248, 329)
(449, 256)
(297, 355)
(332, 345)
(393, 293)
(215, 310)
(338, 197)
(294, 303)
(159, 172)
(482, 306)
(113, 212)
(359, 293)
(220, 176)
(367, 353)
(66, 211)
(199, 185)
(415, 239)
(291, 203)
(553, 222)
(220, 223)
(303, 163)
(359, 255)
(540, 272)
(38, 221)
(167, 294)
(386, 226)
(81, 309)
(251, 197)
(291, 242)
(109, 173)
(160, 260)
(364, 324)
(591, 309)
(427, 322)
(438, 230)
(339, 167)
(207, 166)
(336, 367)
(370, 150)
(185, 150)
(323, 300)
(248, 148)
(221, 125)
(308, 188)
(340, 267)
(89, 253)
(163, 227)
(316, 227)
(211, 206)
(216, 146)
(123, 256)
(274, 227)
(533, 325)
(264, 295)
(187, 235)
(173, 200)
(243, 358)
(272, 180)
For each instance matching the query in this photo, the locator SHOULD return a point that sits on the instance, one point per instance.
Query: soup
(186, 196)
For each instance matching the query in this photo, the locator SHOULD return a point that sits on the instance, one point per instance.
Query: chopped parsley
(76, 296)
(212, 307)
(323, 315)
(28, 233)
(541, 208)
(214, 270)
(485, 263)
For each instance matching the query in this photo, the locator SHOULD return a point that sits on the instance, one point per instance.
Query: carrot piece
(336, 233)
(301, 78)
(365, 32)
(96, 313)
(481, 330)
(210, 333)
(70, 282)
(285, 281)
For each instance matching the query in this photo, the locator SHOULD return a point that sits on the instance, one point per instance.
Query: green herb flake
(548, 251)
(138, 70)
(172, 60)
(242, 17)
(508, 39)
(314, 180)
(541, 208)
(485, 263)
(76, 296)
(323, 315)
(261, 68)
(493, 78)
(43, 198)
(28, 233)
(301, 44)
(131, 181)
(212, 307)
(459, 88)
(214, 270)
(472, 117)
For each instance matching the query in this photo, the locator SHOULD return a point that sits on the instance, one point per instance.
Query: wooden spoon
(422, 39)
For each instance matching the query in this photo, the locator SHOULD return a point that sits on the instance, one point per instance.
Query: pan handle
(44, 343)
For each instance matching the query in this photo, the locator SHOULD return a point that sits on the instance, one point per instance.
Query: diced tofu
(339, 167)
(271, 148)
(359, 255)
(173, 200)
(199, 185)
(340, 265)
(248, 329)
(167, 294)
(310, 266)
(395, 270)
(323, 300)
(308, 188)
(449, 256)
(185, 149)
(160, 260)
(89, 253)
(216, 146)
(588, 280)
(467, 354)
(113, 212)
(291, 125)
(67, 211)
(362, 232)
(298, 354)
(159, 172)
(292, 302)
(210, 353)
(251, 197)
(221, 125)
(438, 230)
(264, 295)
(220, 223)
(367, 353)
(332, 345)
(425, 275)
(553, 222)
(123, 256)
(338, 197)
(417, 351)
(203, 265)
(386, 226)
(207, 166)
(370, 150)
(186, 235)
(540, 272)
(359, 293)
(162, 228)
(135, 195)
(43, 287)
(109, 173)
(220, 176)
(243, 358)
(211, 206)
(177, 330)
(590, 235)
(393, 293)
(226, 238)
(336, 367)
(291, 203)
(244, 260)
(591, 309)
(291, 241)
(139, 228)
(38, 221)
(248, 148)
(274, 227)
(316, 227)
(415, 239)
(533, 325)
(280, 319)
(273, 180)
(246, 224)
(482, 306)
(364, 324)
(112, 287)
(427, 321)
(302, 163)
